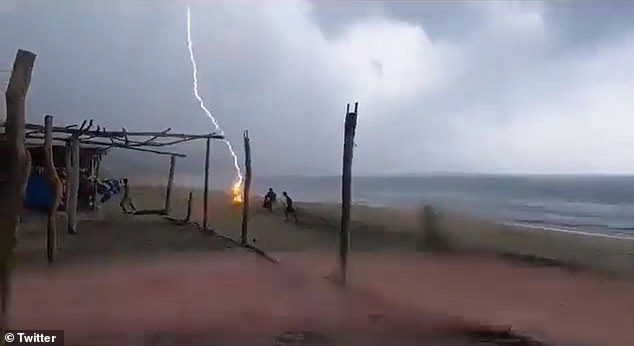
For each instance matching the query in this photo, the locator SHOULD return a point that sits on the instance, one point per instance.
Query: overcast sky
(499, 87)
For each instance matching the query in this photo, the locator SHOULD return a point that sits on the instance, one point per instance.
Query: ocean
(596, 204)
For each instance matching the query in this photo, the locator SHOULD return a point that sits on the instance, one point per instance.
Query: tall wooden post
(56, 189)
(95, 191)
(73, 186)
(346, 190)
(69, 168)
(247, 187)
(189, 207)
(91, 177)
(170, 183)
(206, 191)
(13, 190)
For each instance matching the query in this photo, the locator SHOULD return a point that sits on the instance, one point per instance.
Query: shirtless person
(290, 210)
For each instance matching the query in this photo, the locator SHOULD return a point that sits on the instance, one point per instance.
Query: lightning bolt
(237, 182)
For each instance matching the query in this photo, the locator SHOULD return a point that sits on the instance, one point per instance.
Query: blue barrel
(38, 193)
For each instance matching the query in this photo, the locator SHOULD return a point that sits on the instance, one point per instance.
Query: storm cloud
(489, 87)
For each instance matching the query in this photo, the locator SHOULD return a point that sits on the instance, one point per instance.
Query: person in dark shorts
(272, 195)
(269, 199)
(290, 210)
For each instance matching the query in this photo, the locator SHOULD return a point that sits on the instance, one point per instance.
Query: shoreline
(611, 233)
(503, 211)
(463, 233)
(400, 229)
(567, 230)
(594, 230)
(604, 232)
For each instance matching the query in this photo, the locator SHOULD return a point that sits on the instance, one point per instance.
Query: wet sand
(608, 255)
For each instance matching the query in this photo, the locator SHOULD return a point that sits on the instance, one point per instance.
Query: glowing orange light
(236, 191)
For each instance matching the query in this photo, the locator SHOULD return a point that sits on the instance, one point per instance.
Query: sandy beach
(524, 280)
(384, 229)
(600, 253)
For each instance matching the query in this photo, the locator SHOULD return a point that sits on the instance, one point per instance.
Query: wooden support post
(56, 189)
(247, 187)
(95, 191)
(170, 183)
(92, 174)
(73, 186)
(189, 207)
(346, 190)
(183, 137)
(13, 190)
(69, 168)
(206, 191)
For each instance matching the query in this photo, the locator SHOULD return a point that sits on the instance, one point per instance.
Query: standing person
(126, 200)
(269, 199)
(290, 210)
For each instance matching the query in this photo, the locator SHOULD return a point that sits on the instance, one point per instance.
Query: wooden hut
(38, 192)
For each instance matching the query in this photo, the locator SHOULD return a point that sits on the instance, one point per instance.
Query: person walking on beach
(290, 210)
(126, 200)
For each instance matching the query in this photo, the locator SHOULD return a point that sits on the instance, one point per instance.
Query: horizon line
(449, 174)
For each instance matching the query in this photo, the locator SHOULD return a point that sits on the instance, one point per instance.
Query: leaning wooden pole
(247, 187)
(206, 191)
(56, 189)
(14, 189)
(73, 186)
(346, 190)
(170, 183)
(189, 207)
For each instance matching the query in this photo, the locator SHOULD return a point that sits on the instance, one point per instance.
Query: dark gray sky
(443, 86)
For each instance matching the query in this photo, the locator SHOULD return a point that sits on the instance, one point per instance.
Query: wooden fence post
(73, 185)
(206, 191)
(189, 207)
(170, 183)
(56, 188)
(247, 187)
(69, 168)
(14, 189)
(95, 190)
(346, 190)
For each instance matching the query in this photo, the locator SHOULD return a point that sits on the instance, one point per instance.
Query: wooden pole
(69, 168)
(56, 190)
(206, 191)
(95, 190)
(346, 190)
(107, 145)
(170, 182)
(247, 187)
(127, 147)
(189, 207)
(122, 134)
(91, 175)
(13, 190)
(73, 184)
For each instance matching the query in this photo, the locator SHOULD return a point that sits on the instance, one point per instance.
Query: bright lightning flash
(236, 189)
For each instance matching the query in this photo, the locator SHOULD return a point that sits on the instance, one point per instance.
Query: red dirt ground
(549, 303)
(220, 299)
(235, 298)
